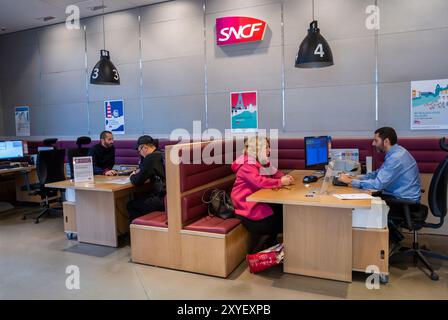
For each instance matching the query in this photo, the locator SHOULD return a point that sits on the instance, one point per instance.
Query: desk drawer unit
(371, 248)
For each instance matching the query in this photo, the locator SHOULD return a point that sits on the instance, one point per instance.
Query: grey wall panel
(395, 110)
(245, 70)
(329, 109)
(63, 55)
(413, 56)
(174, 38)
(21, 89)
(412, 15)
(271, 14)
(354, 64)
(172, 10)
(214, 6)
(338, 19)
(70, 119)
(58, 33)
(19, 59)
(269, 106)
(64, 87)
(122, 38)
(129, 87)
(162, 115)
(171, 77)
(132, 116)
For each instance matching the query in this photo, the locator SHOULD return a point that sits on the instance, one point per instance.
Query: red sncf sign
(231, 30)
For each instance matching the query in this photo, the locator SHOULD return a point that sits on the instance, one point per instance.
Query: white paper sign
(22, 118)
(83, 169)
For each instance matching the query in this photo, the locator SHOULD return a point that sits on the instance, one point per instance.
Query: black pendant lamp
(314, 51)
(104, 71)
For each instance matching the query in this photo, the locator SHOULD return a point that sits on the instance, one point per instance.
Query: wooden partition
(174, 247)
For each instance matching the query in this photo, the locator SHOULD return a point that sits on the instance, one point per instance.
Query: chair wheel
(36, 221)
(434, 276)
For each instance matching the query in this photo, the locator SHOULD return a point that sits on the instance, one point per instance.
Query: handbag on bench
(219, 204)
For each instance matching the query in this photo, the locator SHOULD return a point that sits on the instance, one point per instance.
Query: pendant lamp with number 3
(314, 51)
(104, 71)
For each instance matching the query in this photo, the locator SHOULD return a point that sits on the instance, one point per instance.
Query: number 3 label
(95, 73)
(116, 77)
(319, 50)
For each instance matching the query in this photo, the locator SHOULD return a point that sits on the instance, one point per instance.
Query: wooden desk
(101, 213)
(20, 175)
(318, 235)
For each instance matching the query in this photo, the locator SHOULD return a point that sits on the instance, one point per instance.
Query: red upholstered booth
(153, 219)
(426, 152)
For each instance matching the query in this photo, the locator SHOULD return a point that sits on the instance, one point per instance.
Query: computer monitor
(11, 150)
(316, 151)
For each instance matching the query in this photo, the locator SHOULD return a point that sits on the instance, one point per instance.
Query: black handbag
(219, 204)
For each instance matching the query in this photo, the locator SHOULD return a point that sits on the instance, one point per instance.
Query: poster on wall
(22, 117)
(244, 111)
(114, 116)
(429, 104)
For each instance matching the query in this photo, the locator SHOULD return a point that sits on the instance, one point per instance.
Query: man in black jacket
(151, 168)
(103, 155)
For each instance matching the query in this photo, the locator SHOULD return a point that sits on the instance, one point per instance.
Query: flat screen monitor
(316, 151)
(11, 150)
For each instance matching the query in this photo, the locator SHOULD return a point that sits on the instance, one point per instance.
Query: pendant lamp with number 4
(314, 51)
(104, 72)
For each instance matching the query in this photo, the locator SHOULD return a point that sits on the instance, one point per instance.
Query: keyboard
(7, 166)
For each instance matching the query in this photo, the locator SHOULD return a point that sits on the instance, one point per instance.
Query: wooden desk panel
(101, 183)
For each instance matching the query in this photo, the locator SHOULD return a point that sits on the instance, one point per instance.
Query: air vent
(45, 19)
(95, 8)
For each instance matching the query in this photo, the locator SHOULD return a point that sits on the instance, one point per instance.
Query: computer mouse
(309, 179)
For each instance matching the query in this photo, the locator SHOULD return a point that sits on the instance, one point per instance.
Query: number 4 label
(319, 50)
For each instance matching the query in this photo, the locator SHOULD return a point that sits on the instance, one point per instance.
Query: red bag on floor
(265, 259)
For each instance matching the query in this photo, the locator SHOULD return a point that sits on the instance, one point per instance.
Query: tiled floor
(34, 258)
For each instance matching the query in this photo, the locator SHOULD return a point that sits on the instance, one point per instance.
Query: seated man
(398, 177)
(151, 168)
(103, 155)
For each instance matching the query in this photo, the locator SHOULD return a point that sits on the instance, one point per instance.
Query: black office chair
(415, 215)
(80, 151)
(50, 142)
(50, 168)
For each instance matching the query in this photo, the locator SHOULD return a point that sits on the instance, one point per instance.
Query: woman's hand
(287, 180)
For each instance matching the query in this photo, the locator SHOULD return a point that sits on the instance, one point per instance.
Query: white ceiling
(16, 15)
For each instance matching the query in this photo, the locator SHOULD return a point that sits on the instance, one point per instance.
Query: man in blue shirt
(398, 176)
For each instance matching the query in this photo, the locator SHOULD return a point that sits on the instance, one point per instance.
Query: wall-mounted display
(114, 116)
(429, 104)
(22, 118)
(244, 111)
(233, 30)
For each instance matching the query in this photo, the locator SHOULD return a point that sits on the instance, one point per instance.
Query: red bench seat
(213, 225)
(153, 219)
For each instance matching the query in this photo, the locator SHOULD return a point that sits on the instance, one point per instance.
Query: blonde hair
(254, 147)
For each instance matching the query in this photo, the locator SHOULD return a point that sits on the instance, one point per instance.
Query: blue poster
(114, 116)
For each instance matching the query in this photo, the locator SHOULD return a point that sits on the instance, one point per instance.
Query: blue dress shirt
(398, 176)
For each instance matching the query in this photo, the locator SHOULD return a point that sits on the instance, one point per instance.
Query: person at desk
(151, 168)
(263, 221)
(398, 176)
(103, 155)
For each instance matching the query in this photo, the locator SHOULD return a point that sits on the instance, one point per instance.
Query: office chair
(50, 142)
(415, 215)
(80, 151)
(50, 168)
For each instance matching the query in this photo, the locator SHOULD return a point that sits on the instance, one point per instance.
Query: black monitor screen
(316, 151)
(11, 150)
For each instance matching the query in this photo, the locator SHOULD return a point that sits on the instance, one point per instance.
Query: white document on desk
(119, 181)
(354, 196)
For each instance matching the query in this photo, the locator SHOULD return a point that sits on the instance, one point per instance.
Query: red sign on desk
(232, 30)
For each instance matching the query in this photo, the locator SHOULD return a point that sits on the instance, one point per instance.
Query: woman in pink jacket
(253, 172)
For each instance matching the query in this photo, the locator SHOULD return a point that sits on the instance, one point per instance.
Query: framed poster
(244, 111)
(22, 118)
(114, 116)
(429, 104)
